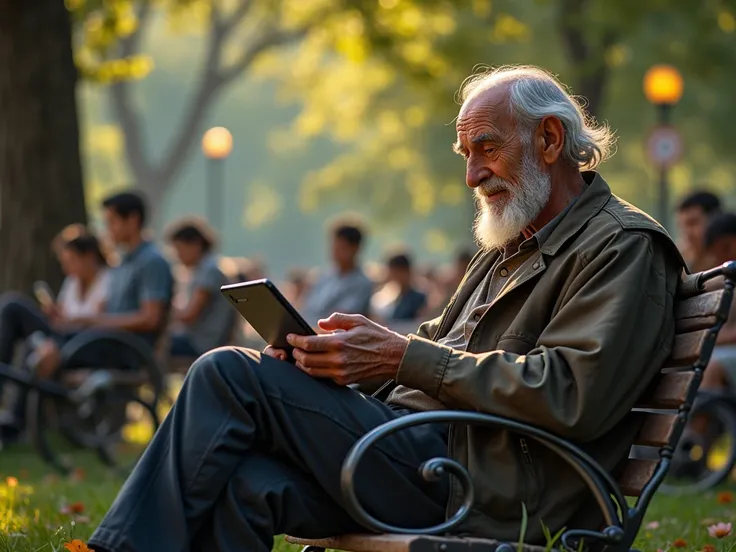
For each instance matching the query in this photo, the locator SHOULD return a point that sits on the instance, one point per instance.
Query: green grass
(32, 518)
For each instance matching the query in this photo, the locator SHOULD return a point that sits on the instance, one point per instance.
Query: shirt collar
(131, 255)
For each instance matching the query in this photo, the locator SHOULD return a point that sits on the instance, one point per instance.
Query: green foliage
(549, 538)
(522, 531)
(375, 79)
(100, 24)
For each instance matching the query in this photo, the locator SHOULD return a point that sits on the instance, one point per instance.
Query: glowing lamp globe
(663, 85)
(217, 143)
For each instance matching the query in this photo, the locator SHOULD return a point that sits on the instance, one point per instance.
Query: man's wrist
(397, 348)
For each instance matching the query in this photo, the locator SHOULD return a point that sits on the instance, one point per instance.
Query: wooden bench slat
(635, 475)
(667, 391)
(686, 348)
(656, 429)
(405, 543)
(699, 312)
(693, 324)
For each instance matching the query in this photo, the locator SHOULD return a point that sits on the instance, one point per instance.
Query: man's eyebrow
(487, 137)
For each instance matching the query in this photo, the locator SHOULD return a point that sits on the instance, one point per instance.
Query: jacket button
(535, 266)
(476, 316)
(504, 272)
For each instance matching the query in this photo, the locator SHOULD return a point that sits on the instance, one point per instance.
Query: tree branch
(123, 106)
(267, 39)
(587, 60)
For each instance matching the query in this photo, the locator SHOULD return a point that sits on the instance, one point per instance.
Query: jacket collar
(594, 197)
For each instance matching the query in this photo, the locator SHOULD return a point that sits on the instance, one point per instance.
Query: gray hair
(534, 94)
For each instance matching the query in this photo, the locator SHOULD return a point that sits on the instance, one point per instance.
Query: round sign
(664, 146)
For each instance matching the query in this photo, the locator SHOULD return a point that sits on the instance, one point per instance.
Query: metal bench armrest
(605, 490)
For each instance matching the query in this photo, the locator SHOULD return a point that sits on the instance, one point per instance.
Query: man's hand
(354, 350)
(278, 354)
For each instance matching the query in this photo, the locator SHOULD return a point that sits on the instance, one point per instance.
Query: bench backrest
(663, 410)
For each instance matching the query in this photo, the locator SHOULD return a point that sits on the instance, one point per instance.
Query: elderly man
(562, 320)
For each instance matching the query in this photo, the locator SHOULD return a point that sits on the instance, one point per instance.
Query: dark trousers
(19, 319)
(253, 448)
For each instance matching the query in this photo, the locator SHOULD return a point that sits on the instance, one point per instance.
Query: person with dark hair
(345, 288)
(207, 319)
(82, 295)
(693, 214)
(720, 374)
(399, 299)
(720, 247)
(141, 286)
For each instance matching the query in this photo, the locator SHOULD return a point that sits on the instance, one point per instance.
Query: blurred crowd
(167, 292)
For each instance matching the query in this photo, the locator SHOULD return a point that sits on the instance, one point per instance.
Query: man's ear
(552, 138)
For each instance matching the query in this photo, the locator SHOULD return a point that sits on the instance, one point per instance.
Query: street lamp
(663, 88)
(217, 143)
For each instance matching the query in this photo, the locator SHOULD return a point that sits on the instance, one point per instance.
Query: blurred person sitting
(693, 214)
(720, 247)
(82, 295)
(345, 287)
(140, 286)
(206, 317)
(399, 299)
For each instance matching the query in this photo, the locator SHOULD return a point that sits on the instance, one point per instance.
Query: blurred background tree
(41, 187)
(339, 104)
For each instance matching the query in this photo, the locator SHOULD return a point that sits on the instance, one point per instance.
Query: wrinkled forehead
(486, 108)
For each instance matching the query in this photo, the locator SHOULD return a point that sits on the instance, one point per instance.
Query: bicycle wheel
(703, 463)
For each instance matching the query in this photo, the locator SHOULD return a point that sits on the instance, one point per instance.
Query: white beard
(497, 225)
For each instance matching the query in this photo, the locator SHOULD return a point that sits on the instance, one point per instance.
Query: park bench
(662, 413)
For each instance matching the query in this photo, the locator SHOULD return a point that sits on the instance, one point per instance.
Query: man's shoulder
(152, 256)
(629, 217)
(618, 223)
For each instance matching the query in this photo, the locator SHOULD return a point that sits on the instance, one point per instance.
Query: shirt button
(504, 272)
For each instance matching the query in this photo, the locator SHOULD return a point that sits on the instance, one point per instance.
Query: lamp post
(663, 88)
(217, 143)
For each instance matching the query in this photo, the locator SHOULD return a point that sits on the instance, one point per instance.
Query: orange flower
(679, 543)
(709, 548)
(725, 497)
(11, 481)
(77, 546)
(72, 509)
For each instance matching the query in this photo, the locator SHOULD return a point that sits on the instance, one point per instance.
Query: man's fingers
(340, 321)
(313, 343)
(279, 354)
(315, 360)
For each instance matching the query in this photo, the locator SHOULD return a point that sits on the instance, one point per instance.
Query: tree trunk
(41, 188)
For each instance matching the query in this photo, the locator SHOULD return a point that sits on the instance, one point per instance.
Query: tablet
(268, 311)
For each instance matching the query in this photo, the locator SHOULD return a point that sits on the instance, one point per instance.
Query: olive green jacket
(568, 345)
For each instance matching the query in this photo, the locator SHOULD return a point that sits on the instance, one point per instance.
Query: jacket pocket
(517, 343)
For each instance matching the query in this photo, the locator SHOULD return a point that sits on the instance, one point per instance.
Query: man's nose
(475, 175)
